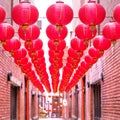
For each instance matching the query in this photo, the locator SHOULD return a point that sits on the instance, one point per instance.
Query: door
(13, 103)
(97, 101)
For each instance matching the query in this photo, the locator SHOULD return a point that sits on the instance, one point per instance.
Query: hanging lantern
(83, 31)
(25, 14)
(36, 54)
(56, 44)
(116, 13)
(6, 31)
(78, 44)
(55, 34)
(54, 54)
(74, 53)
(35, 45)
(12, 45)
(20, 53)
(2, 14)
(92, 13)
(85, 65)
(89, 59)
(21, 61)
(31, 33)
(59, 14)
(27, 66)
(111, 31)
(101, 43)
(95, 53)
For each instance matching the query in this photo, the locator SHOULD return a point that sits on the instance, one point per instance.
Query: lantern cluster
(29, 56)
(30, 32)
(85, 32)
(56, 32)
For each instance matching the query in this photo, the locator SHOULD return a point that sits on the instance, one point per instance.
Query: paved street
(51, 119)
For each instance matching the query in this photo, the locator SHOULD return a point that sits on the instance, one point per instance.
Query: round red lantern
(27, 66)
(25, 14)
(55, 34)
(21, 61)
(85, 65)
(74, 53)
(2, 14)
(56, 44)
(12, 45)
(59, 14)
(111, 30)
(31, 33)
(83, 31)
(89, 59)
(116, 12)
(34, 45)
(6, 31)
(20, 53)
(55, 54)
(92, 13)
(78, 44)
(36, 54)
(102, 43)
(95, 53)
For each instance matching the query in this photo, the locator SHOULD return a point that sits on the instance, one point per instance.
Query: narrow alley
(59, 59)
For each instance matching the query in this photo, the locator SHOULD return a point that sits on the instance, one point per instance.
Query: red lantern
(89, 59)
(55, 34)
(92, 13)
(111, 30)
(31, 33)
(25, 14)
(74, 53)
(63, 14)
(2, 14)
(6, 31)
(85, 65)
(95, 53)
(116, 13)
(54, 54)
(27, 66)
(20, 53)
(21, 61)
(36, 54)
(101, 43)
(12, 45)
(34, 45)
(56, 44)
(78, 44)
(83, 31)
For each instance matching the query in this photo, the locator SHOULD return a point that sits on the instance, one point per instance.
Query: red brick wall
(7, 64)
(109, 64)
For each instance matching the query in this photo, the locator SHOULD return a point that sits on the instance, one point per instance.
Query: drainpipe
(83, 99)
(27, 99)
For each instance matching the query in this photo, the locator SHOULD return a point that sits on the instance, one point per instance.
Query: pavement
(51, 119)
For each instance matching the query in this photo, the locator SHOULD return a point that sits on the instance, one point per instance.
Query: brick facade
(24, 102)
(109, 65)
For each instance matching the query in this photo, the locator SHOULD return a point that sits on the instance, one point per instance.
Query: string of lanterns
(25, 15)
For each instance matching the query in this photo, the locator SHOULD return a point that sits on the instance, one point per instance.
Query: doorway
(13, 103)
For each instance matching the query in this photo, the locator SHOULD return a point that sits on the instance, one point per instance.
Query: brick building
(97, 96)
(18, 96)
